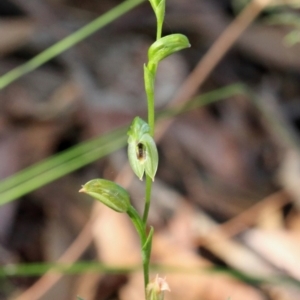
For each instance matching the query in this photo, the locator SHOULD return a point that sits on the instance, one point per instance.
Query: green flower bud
(109, 193)
(166, 46)
(142, 151)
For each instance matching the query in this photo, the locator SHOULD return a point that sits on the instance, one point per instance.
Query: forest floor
(226, 197)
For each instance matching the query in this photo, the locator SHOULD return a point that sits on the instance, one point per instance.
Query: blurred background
(227, 193)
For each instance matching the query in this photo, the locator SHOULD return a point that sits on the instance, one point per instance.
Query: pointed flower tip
(82, 190)
(152, 178)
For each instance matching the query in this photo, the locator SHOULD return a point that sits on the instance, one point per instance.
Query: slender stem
(146, 261)
(151, 115)
(146, 253)
(159, 21)
(159, 29)
(151, 122)
(148, 199)
(146, 250)
(150, 76)
(145, 242)
(149, 87)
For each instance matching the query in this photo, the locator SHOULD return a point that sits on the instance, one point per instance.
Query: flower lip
(141, 152)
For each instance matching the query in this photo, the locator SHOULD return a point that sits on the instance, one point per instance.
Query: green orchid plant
(142, 154)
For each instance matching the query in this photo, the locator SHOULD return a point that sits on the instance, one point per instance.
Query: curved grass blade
(68, 42)
(60, 164)
(36, 269)
(81, 267)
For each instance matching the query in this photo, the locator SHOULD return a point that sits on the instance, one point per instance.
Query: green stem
(68, 42)
(146, 253)
(146, 241)
(146, 261)
(159, 29)
(151, 115)
(151, 122)
(150, 75)
(148, 199)
(149, 87)
(146, 249)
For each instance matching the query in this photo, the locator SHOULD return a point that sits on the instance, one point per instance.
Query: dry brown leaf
(289, 175)
(188, 285)
(280, 247)
(175, 248)
(270, 217)
(115, 238)
(86, 285)
(14, 33)
(189, 226)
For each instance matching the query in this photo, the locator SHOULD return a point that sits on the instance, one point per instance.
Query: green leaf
(109, 193)
(142, 151)
(166, 46)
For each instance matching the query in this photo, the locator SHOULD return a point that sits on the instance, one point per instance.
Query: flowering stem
(151, 122)
(142, 150)
(149, 87)
(150, 75)
(143, 155)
